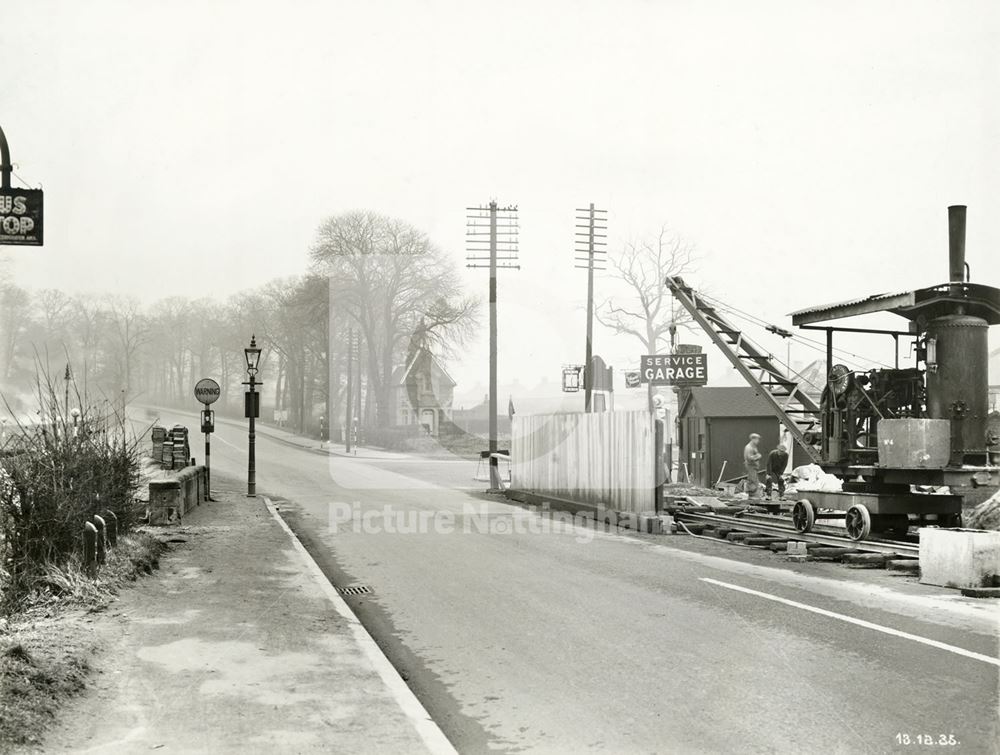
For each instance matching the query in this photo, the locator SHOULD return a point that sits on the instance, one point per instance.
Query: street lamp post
(252, 411)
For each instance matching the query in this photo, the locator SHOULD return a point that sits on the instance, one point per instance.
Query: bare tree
(15, 314)
(128, 332)
(647, 310)
(388, 278)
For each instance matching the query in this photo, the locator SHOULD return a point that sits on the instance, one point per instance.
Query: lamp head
(252, 353)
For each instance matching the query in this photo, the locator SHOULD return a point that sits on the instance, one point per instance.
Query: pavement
(239, 644)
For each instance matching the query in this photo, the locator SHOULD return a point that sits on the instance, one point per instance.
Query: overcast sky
(809, 150)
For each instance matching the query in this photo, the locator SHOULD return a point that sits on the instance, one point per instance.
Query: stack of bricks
(181, 451)
(159, 435)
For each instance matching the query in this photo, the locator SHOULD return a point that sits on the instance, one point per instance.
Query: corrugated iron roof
(728, 401)
(848, 303)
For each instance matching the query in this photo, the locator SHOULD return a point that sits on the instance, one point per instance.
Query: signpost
(674, 369)
(207, 391)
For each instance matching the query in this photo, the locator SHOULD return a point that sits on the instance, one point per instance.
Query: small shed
(713, 427)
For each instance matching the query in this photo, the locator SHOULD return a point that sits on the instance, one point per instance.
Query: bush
(55, 476)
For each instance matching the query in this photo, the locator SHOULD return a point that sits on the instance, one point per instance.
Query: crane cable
(801, 340)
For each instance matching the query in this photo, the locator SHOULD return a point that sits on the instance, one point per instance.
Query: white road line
(858, 622)
(428, 730)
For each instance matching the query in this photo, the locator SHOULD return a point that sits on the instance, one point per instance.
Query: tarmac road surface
(522, 635)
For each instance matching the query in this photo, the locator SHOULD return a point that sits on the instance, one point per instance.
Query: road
(520, 634)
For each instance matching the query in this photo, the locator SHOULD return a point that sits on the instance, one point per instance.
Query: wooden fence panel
(606, 458)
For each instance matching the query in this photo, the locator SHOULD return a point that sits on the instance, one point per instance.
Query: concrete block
(914, 442)
(797, 548)
(165, 503)
(959, 557)
(667, 524)
(171, 498)
(650, 523)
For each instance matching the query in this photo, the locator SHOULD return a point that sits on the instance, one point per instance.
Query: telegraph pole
(350, 389)
(357, 402)
(499, 226)
(590, 246)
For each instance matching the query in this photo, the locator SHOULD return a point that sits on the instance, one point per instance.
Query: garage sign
(674, 369)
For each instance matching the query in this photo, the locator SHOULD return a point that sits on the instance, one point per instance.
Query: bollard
(101, 541)
(112, 528)
(90, 549)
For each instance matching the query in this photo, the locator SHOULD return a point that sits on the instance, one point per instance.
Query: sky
(807, 150)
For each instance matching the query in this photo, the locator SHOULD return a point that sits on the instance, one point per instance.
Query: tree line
(374, 282)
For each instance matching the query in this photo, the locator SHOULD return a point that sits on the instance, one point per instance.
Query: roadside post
(207, 391)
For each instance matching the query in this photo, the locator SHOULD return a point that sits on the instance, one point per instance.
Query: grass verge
(46, 647)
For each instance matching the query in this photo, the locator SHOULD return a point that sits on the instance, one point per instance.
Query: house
(714, 425)
(423, 392)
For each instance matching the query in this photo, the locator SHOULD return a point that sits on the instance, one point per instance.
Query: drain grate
(354, 590)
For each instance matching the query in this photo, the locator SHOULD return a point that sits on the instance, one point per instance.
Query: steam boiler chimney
(956, 243)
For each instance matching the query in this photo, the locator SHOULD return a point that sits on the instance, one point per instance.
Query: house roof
(400, 374)
(741, 401)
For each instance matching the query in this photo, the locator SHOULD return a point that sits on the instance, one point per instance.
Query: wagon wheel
(858, 522)
(803, 515)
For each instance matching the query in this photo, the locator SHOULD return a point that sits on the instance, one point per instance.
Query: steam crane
(890, 435)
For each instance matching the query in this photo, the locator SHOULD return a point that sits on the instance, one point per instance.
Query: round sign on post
(207, 391)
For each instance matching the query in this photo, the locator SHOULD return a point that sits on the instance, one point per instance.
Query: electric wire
(795, 338)
(13, 170)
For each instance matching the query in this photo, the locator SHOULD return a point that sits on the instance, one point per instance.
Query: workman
(777, 460)
(751, 462)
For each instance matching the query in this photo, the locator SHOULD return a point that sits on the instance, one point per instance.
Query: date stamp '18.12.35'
(926, 740)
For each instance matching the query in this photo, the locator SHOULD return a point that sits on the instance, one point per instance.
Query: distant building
(714, 425)
(423, 392)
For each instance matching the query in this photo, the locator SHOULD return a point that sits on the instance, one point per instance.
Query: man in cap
(751, 462)
(777, 460)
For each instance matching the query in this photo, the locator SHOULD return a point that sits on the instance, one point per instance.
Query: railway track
(770, 526)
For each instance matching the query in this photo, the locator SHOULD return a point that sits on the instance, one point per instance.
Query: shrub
(57, 474)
